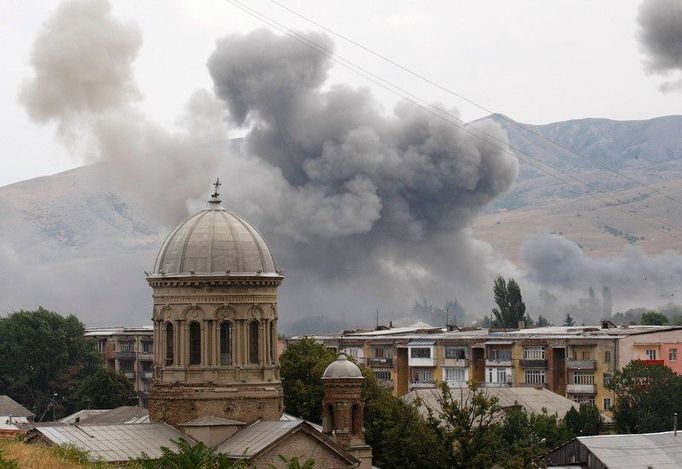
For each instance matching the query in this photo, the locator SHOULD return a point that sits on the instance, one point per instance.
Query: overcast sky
(534, 60)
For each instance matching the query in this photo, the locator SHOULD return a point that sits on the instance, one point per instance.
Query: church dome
(342, 368)
(214, 241)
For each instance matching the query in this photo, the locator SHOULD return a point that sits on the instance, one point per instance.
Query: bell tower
(343, 409)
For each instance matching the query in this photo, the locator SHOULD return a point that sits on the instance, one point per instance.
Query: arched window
(254, 333)
(169, 344)
(355, 419)
(273, 342)
(226, 343)
(194, 343)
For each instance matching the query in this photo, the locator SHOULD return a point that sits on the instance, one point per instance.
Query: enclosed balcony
(581, 389)
(581, 364)
(527, 363)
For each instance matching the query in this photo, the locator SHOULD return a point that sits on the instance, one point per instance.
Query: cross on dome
(215, 197)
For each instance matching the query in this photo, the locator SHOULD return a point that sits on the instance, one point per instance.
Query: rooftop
(11, 408)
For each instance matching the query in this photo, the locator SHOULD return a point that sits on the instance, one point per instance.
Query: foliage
(295, 463)
(398, 435)
(16, 453)
(569, 321)
(542, 321)
(33, 373)
(510, 306)
(301, 368)
(452, 310)
(647, 396)
(585, 421)
(7, 463)
(187, 456)
(106, 389)
(653, 318)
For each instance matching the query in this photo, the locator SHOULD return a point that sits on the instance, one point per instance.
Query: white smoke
(660, 38)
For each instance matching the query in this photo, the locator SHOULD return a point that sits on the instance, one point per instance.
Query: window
(499, 375)
(534, 353)
(126, 366)
(254, 337)
(422, 375)
(273, 342)
(607, 403)
(587, 355)
(147, 366)
(379, 352)
(534, 376)
(651, 354)
(420, 352)
(382, 374)
(672, 354)
(147, 347)
(607, 379)
(225, 343)
(458, 353)
(355, 352)
(582, 399)
(607, 356)
(458, 375)
(194, 343)
(127, 347)
(583, 377)
(500, 354)
(145, 386)
(102, 346)
(169, 343)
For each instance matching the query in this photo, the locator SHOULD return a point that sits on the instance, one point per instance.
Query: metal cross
(217, 185)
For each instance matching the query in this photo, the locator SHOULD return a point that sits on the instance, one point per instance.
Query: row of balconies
(142, 374)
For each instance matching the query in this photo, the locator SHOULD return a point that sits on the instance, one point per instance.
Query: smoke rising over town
(363, 208)
(660, 38)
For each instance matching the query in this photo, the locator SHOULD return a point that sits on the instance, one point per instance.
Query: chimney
(522, 324)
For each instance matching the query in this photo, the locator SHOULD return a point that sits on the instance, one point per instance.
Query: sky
(535, 61)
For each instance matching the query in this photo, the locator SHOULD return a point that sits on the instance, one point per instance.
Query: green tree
(584, 421)
(647, 396)
(301, 368)
(187, 456)
(510, 306)
(396, 431)
(41, 354)
(653, 318)
(106, 389)
(542, 321)
(569, 321)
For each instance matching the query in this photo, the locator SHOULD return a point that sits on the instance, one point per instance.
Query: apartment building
(575, 362)
(130, 351)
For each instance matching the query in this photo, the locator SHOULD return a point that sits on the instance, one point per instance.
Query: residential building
(130, 351)
(575, 362)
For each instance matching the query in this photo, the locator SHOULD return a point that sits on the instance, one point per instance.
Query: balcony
(581, 364)
(125, 355)
(129, 374)
(456, 362)
(527, 363)
(581, 389)
(498, 385)
(147, 374)
(380, 362)
(422, 384)
(499, 363)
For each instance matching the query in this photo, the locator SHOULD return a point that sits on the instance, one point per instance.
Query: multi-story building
(130, 351)
(576, 362)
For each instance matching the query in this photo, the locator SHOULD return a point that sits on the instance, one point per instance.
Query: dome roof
(342, 368)
(214, 241)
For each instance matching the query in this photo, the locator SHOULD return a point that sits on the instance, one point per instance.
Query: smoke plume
(660, 38)
(362, 208)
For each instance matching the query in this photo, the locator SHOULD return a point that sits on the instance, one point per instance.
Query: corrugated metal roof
(119, 415)
(211, 422)
(420, 343)
(10, 407)
(256, 437)
(659, 450)
(115, 443)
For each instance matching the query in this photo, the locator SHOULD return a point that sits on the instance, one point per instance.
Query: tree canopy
(653, 318)
(120, 390)
(510, 306)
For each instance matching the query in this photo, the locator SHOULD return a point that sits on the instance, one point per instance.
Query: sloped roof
(211, 422)
(113, 443)
(10, 407)
(119, 415)
(659, 450)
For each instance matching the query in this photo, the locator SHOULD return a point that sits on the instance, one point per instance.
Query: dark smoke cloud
(660, 37)
(634, 277)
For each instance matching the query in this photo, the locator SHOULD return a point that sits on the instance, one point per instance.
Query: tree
(653, 318)
(301, 368)
(188, 456)
(584, 421)
(542, 321)
(106, 389)
(510, 306)
(647, 396)
(43, 353)
(569, 321)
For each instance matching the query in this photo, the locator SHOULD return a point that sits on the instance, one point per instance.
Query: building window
(534, 353)
(147, 347)
(499, 375)
(354, 352)
(225, 343)
(500, 354)
(126, 366)
(194, 343)
(382, 374)
(128, 347)
(145, 386)
(102, 345)
(583, 377)
(254, 338)
(420, 352)
(422, 375)
(273, 342)
(672, 354)
(582, 399)
(457, 353)
(607, 356)
(457, 375)
(651, 354)
(607, 379)
(534, 376)
(169, 343)
(607, 403)
(587, 356)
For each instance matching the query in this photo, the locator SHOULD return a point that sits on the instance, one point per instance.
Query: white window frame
(355, 352)
(454, 374)
(414, 349)
(650, 353)
(607, 403)
(534, 352)
(382, 374)
(582, 377)
(672, 354)
(534, 376)
(451, 352)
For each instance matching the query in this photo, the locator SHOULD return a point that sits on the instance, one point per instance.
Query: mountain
(67, 241)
